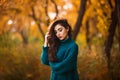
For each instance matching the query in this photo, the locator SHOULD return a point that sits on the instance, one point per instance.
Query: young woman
(60, 51)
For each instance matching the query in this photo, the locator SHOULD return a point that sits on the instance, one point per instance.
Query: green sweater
(66, 66)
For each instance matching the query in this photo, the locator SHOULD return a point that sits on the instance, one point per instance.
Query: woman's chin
(61, 39)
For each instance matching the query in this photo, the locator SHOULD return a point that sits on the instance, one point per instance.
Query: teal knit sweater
(66, 66)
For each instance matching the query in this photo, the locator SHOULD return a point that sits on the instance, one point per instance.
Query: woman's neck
(65, 38)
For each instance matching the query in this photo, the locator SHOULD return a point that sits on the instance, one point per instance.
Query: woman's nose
(58, 34)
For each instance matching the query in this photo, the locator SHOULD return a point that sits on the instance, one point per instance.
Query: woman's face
(61, 32)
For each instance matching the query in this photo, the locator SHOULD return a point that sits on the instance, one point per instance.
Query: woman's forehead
(58, 27)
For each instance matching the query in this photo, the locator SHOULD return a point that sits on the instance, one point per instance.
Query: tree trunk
(87, 34)
(24, 37)
(109, 41)
(118, 16)
(109, 1)
(79, 19)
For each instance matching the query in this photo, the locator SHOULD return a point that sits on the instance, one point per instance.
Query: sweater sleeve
(44, 56)
(68, 64)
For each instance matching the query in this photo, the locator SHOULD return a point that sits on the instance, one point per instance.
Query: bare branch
(56, 9)
(46, 12)
(109, 1)
(37, 22)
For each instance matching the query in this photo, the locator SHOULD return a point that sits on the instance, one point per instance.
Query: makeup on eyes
(59, 29)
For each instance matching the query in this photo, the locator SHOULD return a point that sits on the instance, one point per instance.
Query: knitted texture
(66, 66)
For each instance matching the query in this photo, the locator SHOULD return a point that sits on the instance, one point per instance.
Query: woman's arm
(44, 56)
(68, 64)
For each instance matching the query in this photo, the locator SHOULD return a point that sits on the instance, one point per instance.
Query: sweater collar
(66, 40)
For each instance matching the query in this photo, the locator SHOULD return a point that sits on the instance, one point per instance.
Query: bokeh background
(96, 30)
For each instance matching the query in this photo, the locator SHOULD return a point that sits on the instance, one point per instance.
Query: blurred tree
(56, 9)
(87, 34)
(79, 19)
(118, 16)
(92, 21)
(109, 42)
(37, 20)
(46, 12)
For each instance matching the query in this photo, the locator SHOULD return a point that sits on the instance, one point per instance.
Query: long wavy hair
(53, 41)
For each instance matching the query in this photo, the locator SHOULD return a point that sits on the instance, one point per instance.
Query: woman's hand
(46, 39)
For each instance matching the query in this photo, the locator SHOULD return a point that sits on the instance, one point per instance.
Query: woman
(60, 51)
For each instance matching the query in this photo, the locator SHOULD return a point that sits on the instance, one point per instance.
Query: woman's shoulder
(73, 44)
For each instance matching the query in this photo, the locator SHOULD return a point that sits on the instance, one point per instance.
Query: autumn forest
(95, 28)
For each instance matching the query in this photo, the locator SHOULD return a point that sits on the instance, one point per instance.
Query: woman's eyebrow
(59, 28)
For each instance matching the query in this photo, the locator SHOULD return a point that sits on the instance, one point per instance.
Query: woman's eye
(60, 30)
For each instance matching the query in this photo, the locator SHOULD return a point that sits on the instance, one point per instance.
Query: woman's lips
(60, 37)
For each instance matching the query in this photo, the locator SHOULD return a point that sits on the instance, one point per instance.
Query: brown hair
(53, 41)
